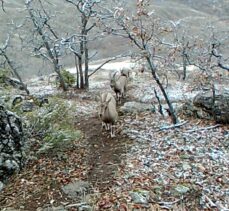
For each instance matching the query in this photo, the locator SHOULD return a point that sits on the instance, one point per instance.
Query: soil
(105, 154)
(95, 158)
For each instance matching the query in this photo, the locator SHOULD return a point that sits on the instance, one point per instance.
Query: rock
(12, 143)
(136, 107)
(189, 110)
(217, 108)
(182, 189)
(85, 208)
(140, 196)
(14, 82)
(81, 206)
(16, 100)
(77, 190)
(27, 106)
(186, 166)
(40, 100)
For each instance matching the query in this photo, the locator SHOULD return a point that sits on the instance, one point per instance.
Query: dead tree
(45, 41)
(11, 64)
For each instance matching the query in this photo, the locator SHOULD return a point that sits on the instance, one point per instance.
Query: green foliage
(68, 77)
(4, 73)
(53, 125)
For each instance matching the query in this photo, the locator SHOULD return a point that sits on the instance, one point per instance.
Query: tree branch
(100, 66)
(219, 57)
(173, 126)
(203, 128)
(2, 4)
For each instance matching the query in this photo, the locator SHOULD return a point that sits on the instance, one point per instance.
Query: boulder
(136, 107)
(140, 196)
(12, 144)
(14, 83)
(28, 103)
(16, 100)
(189, 110)
(77, 189)
(217, 107)
(27, 106)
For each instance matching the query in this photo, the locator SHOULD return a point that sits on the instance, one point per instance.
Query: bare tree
(11, 63)
(45, 41)
(182, 40)
(88, 12)
(205, 52)
(215, 49)
(148, 33)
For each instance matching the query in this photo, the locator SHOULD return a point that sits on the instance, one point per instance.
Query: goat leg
(103, 125)
(112, 131)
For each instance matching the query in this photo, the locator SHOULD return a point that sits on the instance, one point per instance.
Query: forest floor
(147, 166)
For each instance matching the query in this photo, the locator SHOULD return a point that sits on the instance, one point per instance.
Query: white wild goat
(107, 112)
(125, 72)
(104, 97)
(119, 83)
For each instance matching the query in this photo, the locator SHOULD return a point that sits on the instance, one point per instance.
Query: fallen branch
(100, 66)
(203, 128)
(173, 126)
(212, 204)
(166, 204)
(76, 205)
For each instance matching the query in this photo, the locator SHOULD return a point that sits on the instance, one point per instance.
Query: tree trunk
(77, 72)
(171, 110)
(86, 65)
(62, 83)
(16, 74)
(184, 65)
(81, 73)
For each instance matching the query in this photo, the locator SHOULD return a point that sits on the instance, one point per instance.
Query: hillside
(194, 14)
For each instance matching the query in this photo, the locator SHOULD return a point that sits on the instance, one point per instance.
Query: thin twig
(212, 204)
(107, 61)
(166, 204)
(203, 128)
(173, 126)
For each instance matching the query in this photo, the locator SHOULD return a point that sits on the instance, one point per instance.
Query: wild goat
(119, 83)
(125, 72)
(107, 111)
(103, 98)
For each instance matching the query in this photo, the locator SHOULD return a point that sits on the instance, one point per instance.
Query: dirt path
(105, 154)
